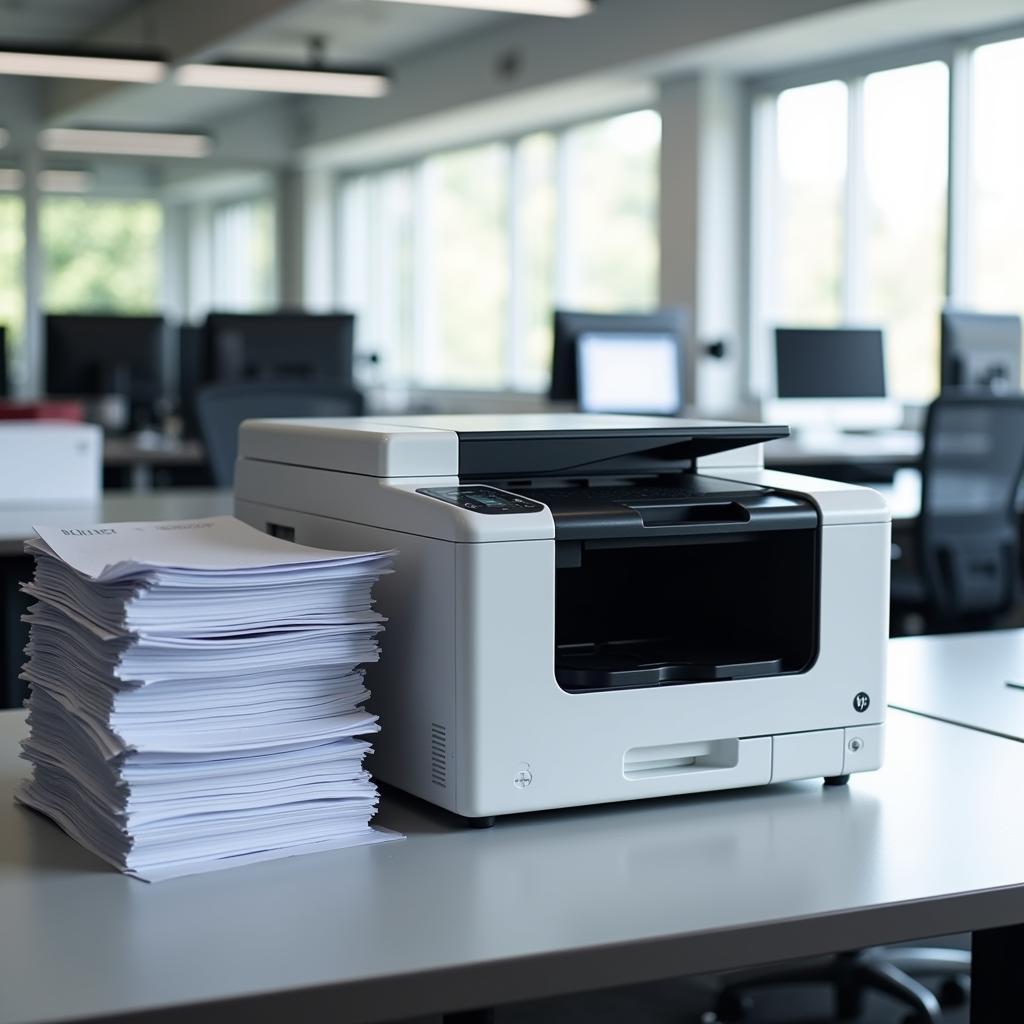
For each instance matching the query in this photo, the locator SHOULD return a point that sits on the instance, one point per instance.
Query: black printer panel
(657, 588)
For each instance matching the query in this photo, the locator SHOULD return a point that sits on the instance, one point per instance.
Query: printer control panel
(480, 498)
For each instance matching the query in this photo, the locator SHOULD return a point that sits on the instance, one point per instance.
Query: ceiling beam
(182, 29)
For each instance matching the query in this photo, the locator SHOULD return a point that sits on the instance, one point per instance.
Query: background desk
(880, 451)
(16, 523)
(140, 460)
(962, 679)
(542, 904)
(903, 495)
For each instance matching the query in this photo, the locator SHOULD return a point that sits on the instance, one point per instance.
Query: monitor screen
(570, 326)
(843, 362)
(628, 373)
(106, 355)
(280, 346)
(981, 350)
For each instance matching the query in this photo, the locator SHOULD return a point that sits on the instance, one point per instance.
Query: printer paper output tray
(624, 664)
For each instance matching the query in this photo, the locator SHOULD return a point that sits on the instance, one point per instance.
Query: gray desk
(903, 495)
(141, 458)
(962, 679)
(879, 448)
(543, 904)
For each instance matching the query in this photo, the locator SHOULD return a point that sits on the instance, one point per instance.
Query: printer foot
(837, 780)
(487, 822)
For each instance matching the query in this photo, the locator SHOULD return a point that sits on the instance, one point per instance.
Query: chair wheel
(732, 1008)
(955, 991)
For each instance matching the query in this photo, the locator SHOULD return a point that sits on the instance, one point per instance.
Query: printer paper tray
(628, 664)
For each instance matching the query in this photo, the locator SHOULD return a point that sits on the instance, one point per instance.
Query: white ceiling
(55, 20)
(356, 30)
(352, 31)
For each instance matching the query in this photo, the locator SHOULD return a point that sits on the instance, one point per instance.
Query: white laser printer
(593, 608)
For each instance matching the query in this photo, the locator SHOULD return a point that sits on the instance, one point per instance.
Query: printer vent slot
(438, 755)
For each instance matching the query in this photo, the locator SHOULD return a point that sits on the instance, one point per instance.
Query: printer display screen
(479, 498)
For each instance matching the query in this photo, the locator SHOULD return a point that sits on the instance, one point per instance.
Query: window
(853, 224)
(533, 274)
(12, 290)
(243, 256)
(377, 237)
(454, 264)
(100, 255)
(904, 219)
(469, 200)
(613, 213)
(810, 183)
(995, 263)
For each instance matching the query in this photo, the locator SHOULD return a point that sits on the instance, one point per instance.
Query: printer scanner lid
(479, 447)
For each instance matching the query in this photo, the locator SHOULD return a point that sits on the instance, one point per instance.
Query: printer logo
(861, 702)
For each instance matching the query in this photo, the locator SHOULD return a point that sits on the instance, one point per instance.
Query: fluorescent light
(547, 8)
(12, 179)
(66, 65)
(123, 143)
(319, 81)
(64, 181)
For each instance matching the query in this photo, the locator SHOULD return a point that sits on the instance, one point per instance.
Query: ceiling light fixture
(546, 8)
(65, 181)
(124, 143)
(267, 78)
(11, 180)
(99, 65)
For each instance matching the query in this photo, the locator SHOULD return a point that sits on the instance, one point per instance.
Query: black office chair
(221, 409)
(964, 561)
(883, 969)
(966, 552)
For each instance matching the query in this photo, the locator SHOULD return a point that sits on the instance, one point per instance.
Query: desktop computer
(620, 362)
(279, 346)
(109, 357)
(981, 351)
(831, 379)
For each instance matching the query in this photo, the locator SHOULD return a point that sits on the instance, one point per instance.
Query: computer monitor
(5, 383)
(90, 356)
(659, 339)
(280, 346)
(832, 378)
(628, 373)
(981, 351)
(193, 373)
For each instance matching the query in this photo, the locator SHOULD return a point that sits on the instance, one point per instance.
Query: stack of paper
(196, 693)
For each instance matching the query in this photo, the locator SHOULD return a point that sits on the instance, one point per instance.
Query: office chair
(851, 975)
(221, 409)
(966, 539)
(966, 547)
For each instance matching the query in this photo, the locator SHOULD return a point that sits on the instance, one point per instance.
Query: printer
(593, 608)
